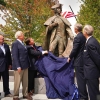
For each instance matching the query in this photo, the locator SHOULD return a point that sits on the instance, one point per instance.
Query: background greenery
(27, 16)
(90, 14)
(30, 15)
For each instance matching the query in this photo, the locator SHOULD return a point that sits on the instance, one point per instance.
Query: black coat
(92, 59)
(19, 56)
(5, 60)
(78, 48)
(33, 54)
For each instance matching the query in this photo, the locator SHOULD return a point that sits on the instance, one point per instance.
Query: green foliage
(90, 14)
(2, 2)
(27, 16)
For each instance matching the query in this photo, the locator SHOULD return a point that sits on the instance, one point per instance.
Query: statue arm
(52, 25)
(70, 33)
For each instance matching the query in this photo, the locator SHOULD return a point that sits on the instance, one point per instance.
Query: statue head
(57, 8)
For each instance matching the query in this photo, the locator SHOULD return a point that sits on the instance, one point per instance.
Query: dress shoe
(9, 95)
(31, 92)
(28, 97)
(15, 98)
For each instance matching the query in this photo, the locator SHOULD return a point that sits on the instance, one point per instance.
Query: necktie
(23, 45)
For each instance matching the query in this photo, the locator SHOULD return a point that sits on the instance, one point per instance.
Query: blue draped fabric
(58, 76)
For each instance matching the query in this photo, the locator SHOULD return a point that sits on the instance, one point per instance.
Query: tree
(90, 14)
(28, 16)
(2, 2)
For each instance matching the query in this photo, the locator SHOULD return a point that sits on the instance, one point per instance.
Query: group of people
(21, 59)
(86, 54)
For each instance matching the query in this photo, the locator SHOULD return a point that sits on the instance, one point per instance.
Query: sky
(75, 5)
(1, 21)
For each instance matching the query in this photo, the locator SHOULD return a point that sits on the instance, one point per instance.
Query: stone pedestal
(40, 87)
(11, 72)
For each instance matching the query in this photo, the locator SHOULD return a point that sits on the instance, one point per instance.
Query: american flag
(67, 14)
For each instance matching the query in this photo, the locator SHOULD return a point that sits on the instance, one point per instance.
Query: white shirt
(3, 49)
(20, 41)
(88, 38)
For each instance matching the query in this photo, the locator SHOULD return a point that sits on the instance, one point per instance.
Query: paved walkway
(35, 96)
(11, 85)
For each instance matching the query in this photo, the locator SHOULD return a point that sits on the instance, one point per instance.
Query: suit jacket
(92, 59)
(19, 56)
(5, 59)
(78, 48)
(33, 55)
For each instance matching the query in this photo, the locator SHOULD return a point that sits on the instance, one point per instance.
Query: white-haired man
(20, 64)
(91, 62)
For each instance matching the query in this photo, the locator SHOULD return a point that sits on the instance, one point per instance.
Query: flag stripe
(67, 14)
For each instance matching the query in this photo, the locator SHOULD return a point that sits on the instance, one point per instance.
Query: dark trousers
(81, 82)
(5, 77)
(93, 88)
(31, 77)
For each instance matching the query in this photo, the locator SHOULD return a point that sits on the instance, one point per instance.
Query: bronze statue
(57, 32)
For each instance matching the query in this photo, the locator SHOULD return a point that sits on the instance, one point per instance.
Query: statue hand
(51, 26)
(54, 24)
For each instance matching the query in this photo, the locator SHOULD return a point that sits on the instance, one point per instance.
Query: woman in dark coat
(33, 56)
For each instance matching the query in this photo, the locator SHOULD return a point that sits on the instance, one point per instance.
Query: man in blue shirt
(5, 65)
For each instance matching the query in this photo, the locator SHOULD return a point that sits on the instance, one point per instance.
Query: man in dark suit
(20, 64)
(77, 54)
(34, 54)
(91, 62)
(5, 65)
